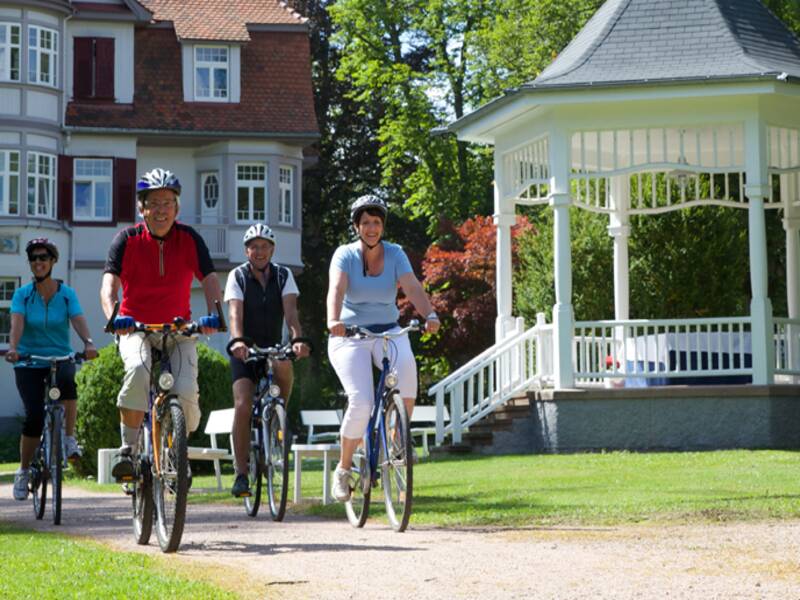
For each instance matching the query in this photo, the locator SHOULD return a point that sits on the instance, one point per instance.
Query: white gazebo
(654, 106)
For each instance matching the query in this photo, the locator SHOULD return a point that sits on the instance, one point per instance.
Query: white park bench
(427, 415)
(316, 446)
(219, 422)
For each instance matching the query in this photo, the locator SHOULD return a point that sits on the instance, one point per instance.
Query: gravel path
(306, 557)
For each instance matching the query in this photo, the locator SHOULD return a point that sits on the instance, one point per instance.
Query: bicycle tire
(357, 508)
(171, 483)
(38, 485)
(254, 470)
(277, 464)
(56, 463)
(142, 500)
(396, 463)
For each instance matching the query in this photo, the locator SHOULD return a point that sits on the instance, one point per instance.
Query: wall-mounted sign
(9, 244)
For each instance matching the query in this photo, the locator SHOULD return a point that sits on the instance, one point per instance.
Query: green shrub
(99, 382)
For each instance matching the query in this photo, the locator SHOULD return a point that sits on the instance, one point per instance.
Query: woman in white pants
(364, 277)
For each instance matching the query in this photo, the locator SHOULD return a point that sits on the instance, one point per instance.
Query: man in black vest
(260, 295)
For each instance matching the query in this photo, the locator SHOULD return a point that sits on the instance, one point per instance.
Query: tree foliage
(459, 274)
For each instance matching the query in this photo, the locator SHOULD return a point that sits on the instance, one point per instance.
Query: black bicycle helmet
(363, 203)
(41, 243)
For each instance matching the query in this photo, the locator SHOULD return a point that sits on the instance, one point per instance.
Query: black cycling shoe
(123, 468)
(241, 487)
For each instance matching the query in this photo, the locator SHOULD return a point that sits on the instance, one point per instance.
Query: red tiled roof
(276, 92)
(220, 19)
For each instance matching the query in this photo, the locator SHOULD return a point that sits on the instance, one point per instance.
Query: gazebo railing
(787, 346)
(492, 378)
(664, 348)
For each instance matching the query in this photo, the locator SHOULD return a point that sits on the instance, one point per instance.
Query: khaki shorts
(135, 351)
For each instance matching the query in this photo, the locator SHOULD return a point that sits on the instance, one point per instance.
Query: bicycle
(387, 442)
(49, 461)
(160, 482)
(269, 431)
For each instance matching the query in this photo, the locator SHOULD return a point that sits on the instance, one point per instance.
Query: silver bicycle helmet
(41, 242)
(157, 179)
(362, 203)
(259, 230)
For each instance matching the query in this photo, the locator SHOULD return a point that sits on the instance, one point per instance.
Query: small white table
(328, 452)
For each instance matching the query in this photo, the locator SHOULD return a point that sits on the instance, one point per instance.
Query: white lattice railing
(787, 346)
(527, 172)
(492, 378)
(664, 348)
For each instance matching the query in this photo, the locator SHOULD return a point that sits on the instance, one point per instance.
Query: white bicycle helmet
(362, 203)
(259, 230)
(157, 179)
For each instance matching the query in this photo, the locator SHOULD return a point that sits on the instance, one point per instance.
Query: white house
(92, 94)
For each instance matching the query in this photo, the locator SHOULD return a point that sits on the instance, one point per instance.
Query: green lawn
(46, 565)
(580, 489)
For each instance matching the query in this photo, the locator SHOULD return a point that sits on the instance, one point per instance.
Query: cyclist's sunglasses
(40, 257)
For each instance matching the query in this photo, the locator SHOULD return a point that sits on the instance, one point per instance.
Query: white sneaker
(73, 450)
(341, 484)
(21, 479)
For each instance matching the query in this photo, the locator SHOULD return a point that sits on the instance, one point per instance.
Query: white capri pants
(134, 349)
(352, 359)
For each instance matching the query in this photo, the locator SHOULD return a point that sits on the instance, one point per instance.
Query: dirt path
(305, 557)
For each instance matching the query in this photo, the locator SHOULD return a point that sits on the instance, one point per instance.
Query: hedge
(99, 382)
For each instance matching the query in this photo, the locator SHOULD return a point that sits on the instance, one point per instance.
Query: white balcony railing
(664, 348)
(215, 237)
(787, 346)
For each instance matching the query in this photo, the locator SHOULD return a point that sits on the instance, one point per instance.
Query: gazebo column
(757, 190)
(619, 229)
(791, 224)
(504, 219)
(563, 317)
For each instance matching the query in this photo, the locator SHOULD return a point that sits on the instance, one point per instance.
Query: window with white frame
(92, 189)
(10, 48)
(251, 192)
(9, 182)
(210, 184)
(211, 69)
(286, 187)
(42, 55)
(8, 285)
(41, 185)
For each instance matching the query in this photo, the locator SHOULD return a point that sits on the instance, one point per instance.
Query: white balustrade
(787, 346)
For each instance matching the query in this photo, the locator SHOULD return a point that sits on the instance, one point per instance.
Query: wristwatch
(88, 341)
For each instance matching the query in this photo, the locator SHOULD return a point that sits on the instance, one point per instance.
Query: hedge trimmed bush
(99, 382)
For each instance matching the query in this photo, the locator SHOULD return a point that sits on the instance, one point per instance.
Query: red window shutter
(125, 189)
(104, 68)
(83, 68)
(64, 188)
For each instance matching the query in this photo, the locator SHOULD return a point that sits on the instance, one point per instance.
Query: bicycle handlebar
(179, 325)
(73, 357)
(357, 331)
(255, 353)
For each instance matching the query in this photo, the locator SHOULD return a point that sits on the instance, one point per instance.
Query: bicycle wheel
(396, 463)
(277, 467)
(56, 462)
(254, 470)
(38, 484)
(142, 498)
(357, 508)
(171, 483)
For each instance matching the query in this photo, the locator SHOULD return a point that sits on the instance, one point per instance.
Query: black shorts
(31, 384)
(247, 370)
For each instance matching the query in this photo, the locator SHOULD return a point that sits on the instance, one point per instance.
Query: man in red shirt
(154, 263)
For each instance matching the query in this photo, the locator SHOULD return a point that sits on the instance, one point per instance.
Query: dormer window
(211, 73)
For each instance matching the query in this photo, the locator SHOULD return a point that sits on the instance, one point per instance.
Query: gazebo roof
(637, 41)
(646, 43)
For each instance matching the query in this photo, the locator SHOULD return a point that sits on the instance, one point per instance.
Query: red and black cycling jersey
(156, 273)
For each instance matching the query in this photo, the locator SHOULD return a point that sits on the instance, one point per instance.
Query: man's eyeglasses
(39, 257)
